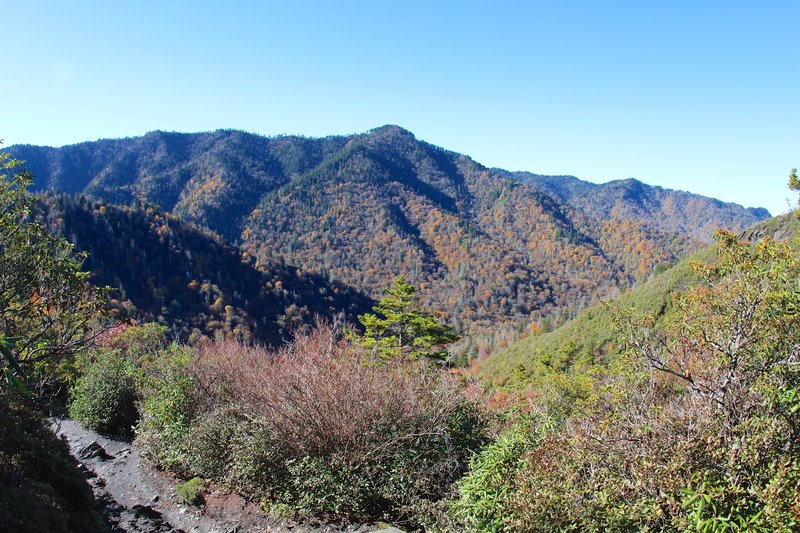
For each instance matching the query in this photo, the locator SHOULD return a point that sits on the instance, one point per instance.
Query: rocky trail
(133, 496)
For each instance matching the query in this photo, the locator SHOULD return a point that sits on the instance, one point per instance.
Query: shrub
(485, 491)
(327, 485)
(170, 401)
(48, 304)
(318, 427)
(239, 451)
(142, 342)
(257, 466)
(211, 438)
(104, 397)
(696, 429)
(616, 464)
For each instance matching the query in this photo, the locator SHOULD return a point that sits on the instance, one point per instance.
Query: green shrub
(256, 463)
(325, 486)
(191, 492)
(423, 465)
(141, 343)
(170, 401)
(208, 442)
(486, 489)
(41, 487)
(695, 429)
(236, 451)
(104, 397)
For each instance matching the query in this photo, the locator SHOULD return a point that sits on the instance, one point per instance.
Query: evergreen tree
(794, 183)
(398, 328)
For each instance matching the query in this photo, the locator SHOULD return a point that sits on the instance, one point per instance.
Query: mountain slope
(487, 250)
(589, 337)
(670, 210)
(191, 280)
(492, 251)
(214, 179)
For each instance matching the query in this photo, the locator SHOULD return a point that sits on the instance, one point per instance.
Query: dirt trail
(135, 497)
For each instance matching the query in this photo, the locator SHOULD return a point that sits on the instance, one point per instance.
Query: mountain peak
(391, 130)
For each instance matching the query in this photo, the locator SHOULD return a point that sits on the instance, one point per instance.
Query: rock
(155, 498)
(145, 519)
(145, 511)
(93, 450)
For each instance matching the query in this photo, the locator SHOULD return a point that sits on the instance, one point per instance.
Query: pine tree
(398, 328)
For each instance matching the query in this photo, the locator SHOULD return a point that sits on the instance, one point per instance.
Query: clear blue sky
(700, 96)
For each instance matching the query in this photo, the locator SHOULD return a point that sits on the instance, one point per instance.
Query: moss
(191, 492)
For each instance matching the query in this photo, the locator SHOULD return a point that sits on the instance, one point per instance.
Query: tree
(399, 329)
(733, 338)
(794, 183)
(46, 302)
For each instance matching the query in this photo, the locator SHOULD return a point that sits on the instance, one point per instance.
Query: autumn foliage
(695, 429)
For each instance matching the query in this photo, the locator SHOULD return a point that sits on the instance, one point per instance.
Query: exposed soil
(133, 496)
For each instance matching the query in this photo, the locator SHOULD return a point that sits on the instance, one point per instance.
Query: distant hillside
(670, 210)
(214, 179)
(589, 337)
(492, 252)
(191, 280)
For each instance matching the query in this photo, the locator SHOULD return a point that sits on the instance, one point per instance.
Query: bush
(104, 397)
(485, 491)
(41, 488)
(237, 451)
(47, 302)
(696, 429)
(169, 403)
(208, 441)
(326, 485)
(317, 427)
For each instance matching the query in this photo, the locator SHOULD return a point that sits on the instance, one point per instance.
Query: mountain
(667, 209)
(191, 280)
(589, 338)
(492, 251)
(215, 179)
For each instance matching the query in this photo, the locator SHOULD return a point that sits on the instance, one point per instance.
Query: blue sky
(700, 96)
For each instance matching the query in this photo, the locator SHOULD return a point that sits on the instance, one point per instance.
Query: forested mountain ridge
(492, 251)
(670, 210)
(211, 178)
(191, 280)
